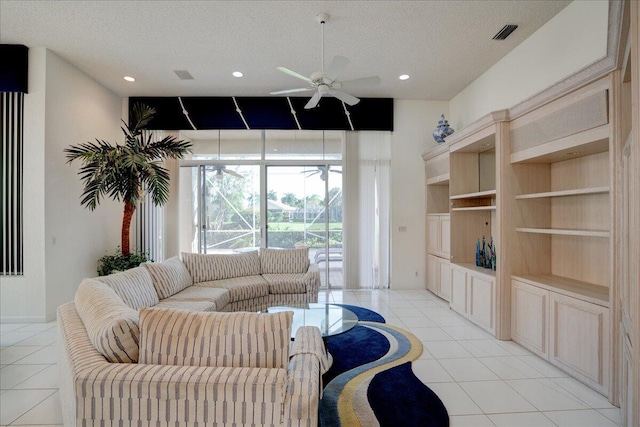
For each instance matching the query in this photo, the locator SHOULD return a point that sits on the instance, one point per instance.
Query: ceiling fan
(322, 170)
(325, 82)
(219, 170)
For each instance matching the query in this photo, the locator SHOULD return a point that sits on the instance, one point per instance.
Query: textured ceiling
(443, 45)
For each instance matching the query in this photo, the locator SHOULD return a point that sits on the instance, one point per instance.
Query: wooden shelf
(565, 232)
(581, 144)
(474, 208)
(439, 180)
(476, 269)
(477, 195)
(576, 192)
(584, 291)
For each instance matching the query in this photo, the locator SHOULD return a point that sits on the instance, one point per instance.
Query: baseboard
(26, 319)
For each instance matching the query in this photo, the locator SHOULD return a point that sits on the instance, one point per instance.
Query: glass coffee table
(329, 318)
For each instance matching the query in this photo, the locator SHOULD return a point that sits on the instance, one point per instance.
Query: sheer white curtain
(367, 160)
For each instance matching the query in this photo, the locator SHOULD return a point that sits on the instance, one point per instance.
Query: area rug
(371, 382)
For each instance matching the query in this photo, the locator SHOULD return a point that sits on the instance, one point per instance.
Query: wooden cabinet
(438, 221)
(438, 240)
(570, 333)
(579, 340)
(473, 296)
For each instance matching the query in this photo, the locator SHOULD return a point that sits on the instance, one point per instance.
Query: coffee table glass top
(331, 319)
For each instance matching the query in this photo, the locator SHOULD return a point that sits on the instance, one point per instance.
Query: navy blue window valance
(245, 112)
(14, 67)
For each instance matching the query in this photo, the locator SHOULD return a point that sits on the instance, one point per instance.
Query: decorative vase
(442, 131)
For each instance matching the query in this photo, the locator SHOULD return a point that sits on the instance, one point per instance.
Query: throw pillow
(284, 261)
(169, 276)
(112, 326)
(134, 286)
(241, 339)
(205, 268)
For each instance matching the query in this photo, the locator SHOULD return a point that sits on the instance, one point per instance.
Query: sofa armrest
(308, 361)
(312, 280)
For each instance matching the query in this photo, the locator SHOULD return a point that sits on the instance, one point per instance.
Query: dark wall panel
(14, 68)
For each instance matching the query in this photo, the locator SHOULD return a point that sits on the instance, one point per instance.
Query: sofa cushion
(112, 326)
(219, 297)
(279, 261)
(134, 286)
(251, 340)
(186, 305)
(286, 283)
(240, 288)
(169, 277)
(205, 268)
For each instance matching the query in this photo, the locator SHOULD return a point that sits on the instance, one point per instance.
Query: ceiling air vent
(505, 32)
(183, 74)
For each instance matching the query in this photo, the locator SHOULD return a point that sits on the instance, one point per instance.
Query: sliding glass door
(304, 209)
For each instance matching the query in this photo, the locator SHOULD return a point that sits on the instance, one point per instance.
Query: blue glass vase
(442, 131)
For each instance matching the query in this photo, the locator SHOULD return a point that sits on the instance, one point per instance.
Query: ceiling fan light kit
(325, 81)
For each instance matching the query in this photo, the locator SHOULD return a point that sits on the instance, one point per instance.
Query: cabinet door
(433, 276)
(458, 301)
(433, 238)
(481, 306)
(530, 317)
(445, 238)
(445, 279)
(579, 340)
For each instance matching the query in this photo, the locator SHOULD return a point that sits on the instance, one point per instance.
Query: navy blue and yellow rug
(371, 382)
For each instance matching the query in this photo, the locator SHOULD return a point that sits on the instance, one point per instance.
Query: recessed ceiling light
(237, 74)
(404, 77)
(129, 79)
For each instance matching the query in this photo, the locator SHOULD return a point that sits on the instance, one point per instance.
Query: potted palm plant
(126, 173)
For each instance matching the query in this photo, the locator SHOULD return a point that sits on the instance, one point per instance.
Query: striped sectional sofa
(158, 344)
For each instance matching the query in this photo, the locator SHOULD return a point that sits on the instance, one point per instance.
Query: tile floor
(482, 381)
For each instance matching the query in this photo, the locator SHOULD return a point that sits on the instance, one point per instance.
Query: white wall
(575, 38)
(414, 122)
(64, 107)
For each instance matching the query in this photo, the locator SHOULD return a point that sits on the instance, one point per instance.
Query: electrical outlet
(402, 229)
(416, 274)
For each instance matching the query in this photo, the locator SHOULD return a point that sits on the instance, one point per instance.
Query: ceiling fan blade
(365, 81)
(313, 101)
(344, 96)
(232, 173)
(294, 74)
(282, 92)
(337, 66)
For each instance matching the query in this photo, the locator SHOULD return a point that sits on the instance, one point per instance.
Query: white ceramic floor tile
(592, 398)
(470, 421)
(424, 304)
(496, 397)
(435, 312)
(406, 311)
(586, 418)
(14, 353)
(514, 348)
(484, 348)
(524, 419)
(430, 371)
(510, 368)
(14, 337)
(468, 333)
(447, 350)
(418, 322)
(430, 334)
(542, 366)
(38, 327)
(42, 338)
(9, 327)
(15, 374)
(45, 355)
(16, 403)
(402, 304)
(47, 412)
(47, 378)
(546, 395)
(448, 321)
(613, 414)
(467, 370)
(455, 399)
